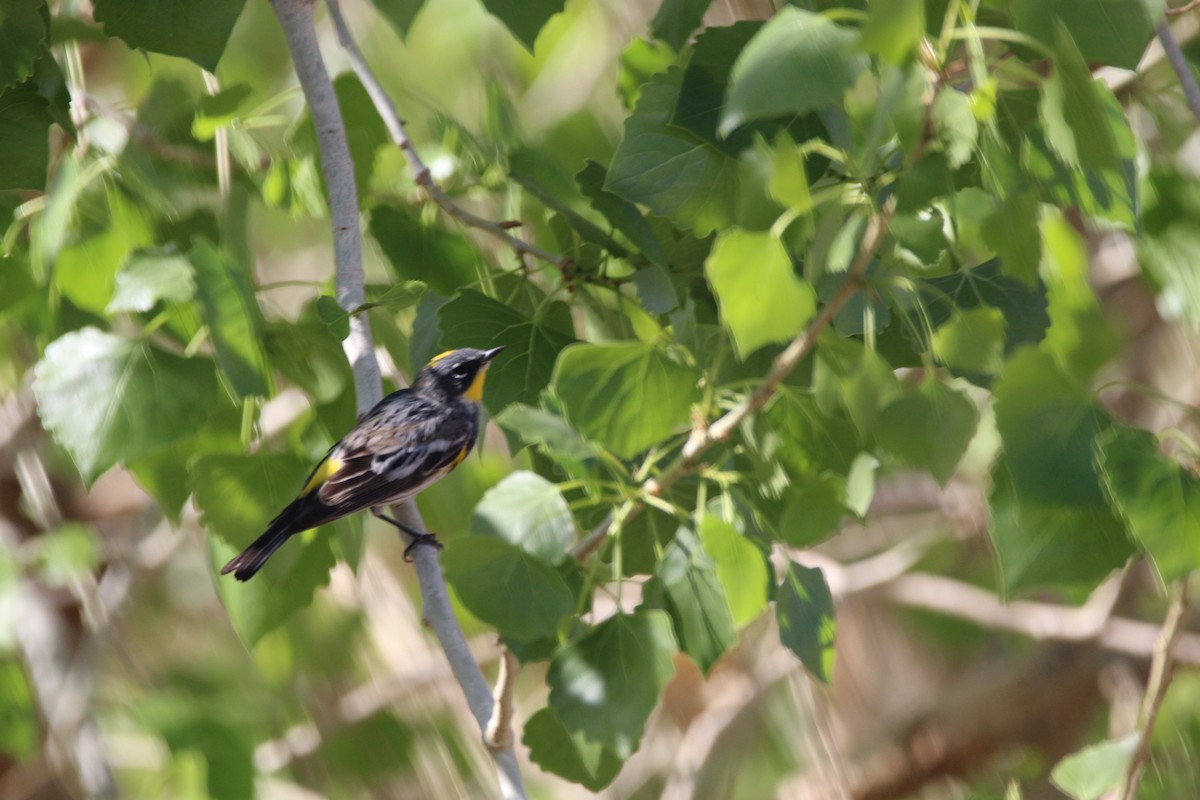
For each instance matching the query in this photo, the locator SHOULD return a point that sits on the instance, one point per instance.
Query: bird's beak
(488, 355)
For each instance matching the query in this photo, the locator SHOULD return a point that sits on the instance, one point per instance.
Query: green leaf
(1048, 423)
(605, 684)
(1012, 231)
(336, 319)
(527, 511)
(955, 124)
(860, 483)
(504, 586)
(762, 300)
(1112, 32)
(238, 495)
(695, 599)
(1169, 240)
(860, 380)
(24, 143)
(741, 566)
(85, 271)
(233, 317)
(362, 751)
(19, 727)
(669, 170)
(569, 755)
(815, 508)
(1091, 772)
(930, 428)
(804, 610)
(623, 215)
(399, 13)
(524, 18)
(789, 181)
(193, 29)
(798, 62)
(1157, 498)
(972, 341)
(549, 431)
(151, 276)
(218, 110)
(107, 399)
(443, 260)
(1076, 123)
(67, 554)
(626, 396)
(23, 39)
(894, 28)
(519, 374)
(1047, 544)
(676, 19)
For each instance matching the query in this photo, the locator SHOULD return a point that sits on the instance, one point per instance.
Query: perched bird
(410, 439)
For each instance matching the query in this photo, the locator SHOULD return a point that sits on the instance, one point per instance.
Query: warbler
(409, 440)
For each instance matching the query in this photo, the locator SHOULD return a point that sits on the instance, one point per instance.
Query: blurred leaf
(527, 511)
(524, 18)
(67, 553)
(930, 428)
(233, 317)
(860, 483)
(369, 749)
(19, 727)
(1170, 241)
(569, 755)
(1107, 32)
(445, 261)
(1012, 231)
(1091, 772)
(365, 130)
(605, 684)
(218, 110)
(621, 214)
(1157, 498)
(695, 599)
(24, 142)
(23, 40)
(804, 610)
(228, 752)
(955, 124)
(399, 13)
(193, 29)
(107, 399)
(1076, 123)
(972, 341)
(504, 586)
(849, 375)
(238, 495)
(761, 299)
(814, 510)
(894, 28)
(1080, 338)
(789, 182)
(150, 276)
(333, 315)
(741, 566)
(798, 62)
(518, 374)
(625, 395)
(656, 289)
(669, 170)
(85, 271)
(676, 19)
(1045, 544)
(549, 431)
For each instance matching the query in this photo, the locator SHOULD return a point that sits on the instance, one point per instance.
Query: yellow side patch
(475, 390)
(324, 471)
(462, 454)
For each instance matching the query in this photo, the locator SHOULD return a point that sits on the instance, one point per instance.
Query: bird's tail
(297, 517)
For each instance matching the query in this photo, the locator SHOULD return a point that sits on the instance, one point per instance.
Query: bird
(409, 440)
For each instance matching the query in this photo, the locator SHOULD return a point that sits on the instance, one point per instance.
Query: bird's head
(459, 373)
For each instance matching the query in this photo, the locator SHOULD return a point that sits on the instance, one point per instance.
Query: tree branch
(420, 172)
(1156, 689)
(296, 19)
(1179, 63)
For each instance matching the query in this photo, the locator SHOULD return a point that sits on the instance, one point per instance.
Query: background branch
(296, 19)
(1179, 64)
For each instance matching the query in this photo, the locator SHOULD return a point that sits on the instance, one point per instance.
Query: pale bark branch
(296, 19)
(1179, 63)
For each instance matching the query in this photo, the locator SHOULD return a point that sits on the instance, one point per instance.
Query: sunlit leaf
(569, 754)
(804, 610)
(695, 599)
(527, 511)
(742, 568)
(1091, 772)
(233, 317)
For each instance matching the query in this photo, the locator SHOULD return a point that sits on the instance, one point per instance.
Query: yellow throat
(475, 390)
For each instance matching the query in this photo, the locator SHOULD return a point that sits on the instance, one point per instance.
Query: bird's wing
(394, 463)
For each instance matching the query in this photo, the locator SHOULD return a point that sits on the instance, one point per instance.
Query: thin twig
(498, 733)
(702, 437)
(1175, 12)
(221, 143)
(420, 172)
(1156, 688)
(1179, 63)
(296, 19)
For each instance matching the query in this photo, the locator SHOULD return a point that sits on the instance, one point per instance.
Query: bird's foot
(418, 537)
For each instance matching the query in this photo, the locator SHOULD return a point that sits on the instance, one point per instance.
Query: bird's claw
(429, 539)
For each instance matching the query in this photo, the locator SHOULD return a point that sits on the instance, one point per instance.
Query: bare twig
(1179, 63)
(421, 175)
(296, 19)
(499, 728)
(1183, 9)
(704, 437)
(1156, 689)
(221, 143)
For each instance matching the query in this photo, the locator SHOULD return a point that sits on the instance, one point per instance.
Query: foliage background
(985, 466)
